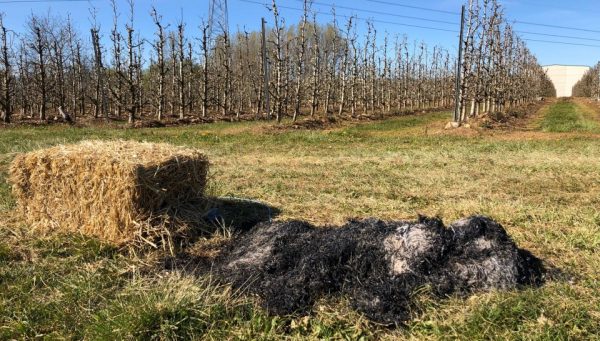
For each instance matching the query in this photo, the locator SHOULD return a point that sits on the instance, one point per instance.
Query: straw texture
(112, 190)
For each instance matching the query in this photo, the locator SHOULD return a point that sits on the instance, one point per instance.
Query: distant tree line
(313, 69)
(498, 70)
(589, 85)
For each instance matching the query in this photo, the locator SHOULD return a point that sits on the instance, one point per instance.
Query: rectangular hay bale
(107, 189)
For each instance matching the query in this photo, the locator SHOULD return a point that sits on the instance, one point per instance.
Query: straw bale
(109, 189)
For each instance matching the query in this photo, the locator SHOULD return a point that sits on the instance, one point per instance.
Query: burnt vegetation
(378, 265)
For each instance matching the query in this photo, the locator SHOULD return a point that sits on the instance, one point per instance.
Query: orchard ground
(540, 179)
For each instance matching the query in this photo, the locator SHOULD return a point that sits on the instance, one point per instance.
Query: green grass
(569, 116)
(544, 190)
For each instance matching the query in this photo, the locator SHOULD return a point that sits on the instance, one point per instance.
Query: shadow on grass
(238, 214)
(222, 218)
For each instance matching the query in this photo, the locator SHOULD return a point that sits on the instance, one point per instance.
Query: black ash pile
(377, 264)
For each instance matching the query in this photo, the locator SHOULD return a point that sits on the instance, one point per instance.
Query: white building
(564, 77)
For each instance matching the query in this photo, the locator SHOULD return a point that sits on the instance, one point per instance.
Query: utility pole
(458, 94)
(266, 69)
(598, 93)
(218, 21)
(7, 77)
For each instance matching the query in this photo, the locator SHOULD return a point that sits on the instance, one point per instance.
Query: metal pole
(598, 70)
(266, 69)
(457, 94)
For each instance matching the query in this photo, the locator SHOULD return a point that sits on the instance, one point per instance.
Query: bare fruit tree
(589, 85)
(342, 67)
(499, 71)
(7, 76)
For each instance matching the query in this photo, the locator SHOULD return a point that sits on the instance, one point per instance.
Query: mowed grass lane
(544, 191)
(570, 115)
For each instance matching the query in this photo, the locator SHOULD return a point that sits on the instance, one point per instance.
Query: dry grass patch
(542, 186)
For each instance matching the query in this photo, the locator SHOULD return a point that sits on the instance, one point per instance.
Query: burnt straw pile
(378, 265)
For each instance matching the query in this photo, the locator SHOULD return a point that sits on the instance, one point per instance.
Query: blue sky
(583, 14)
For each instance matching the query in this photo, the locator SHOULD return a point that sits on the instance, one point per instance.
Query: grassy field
(569, 116)
(542, 184)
